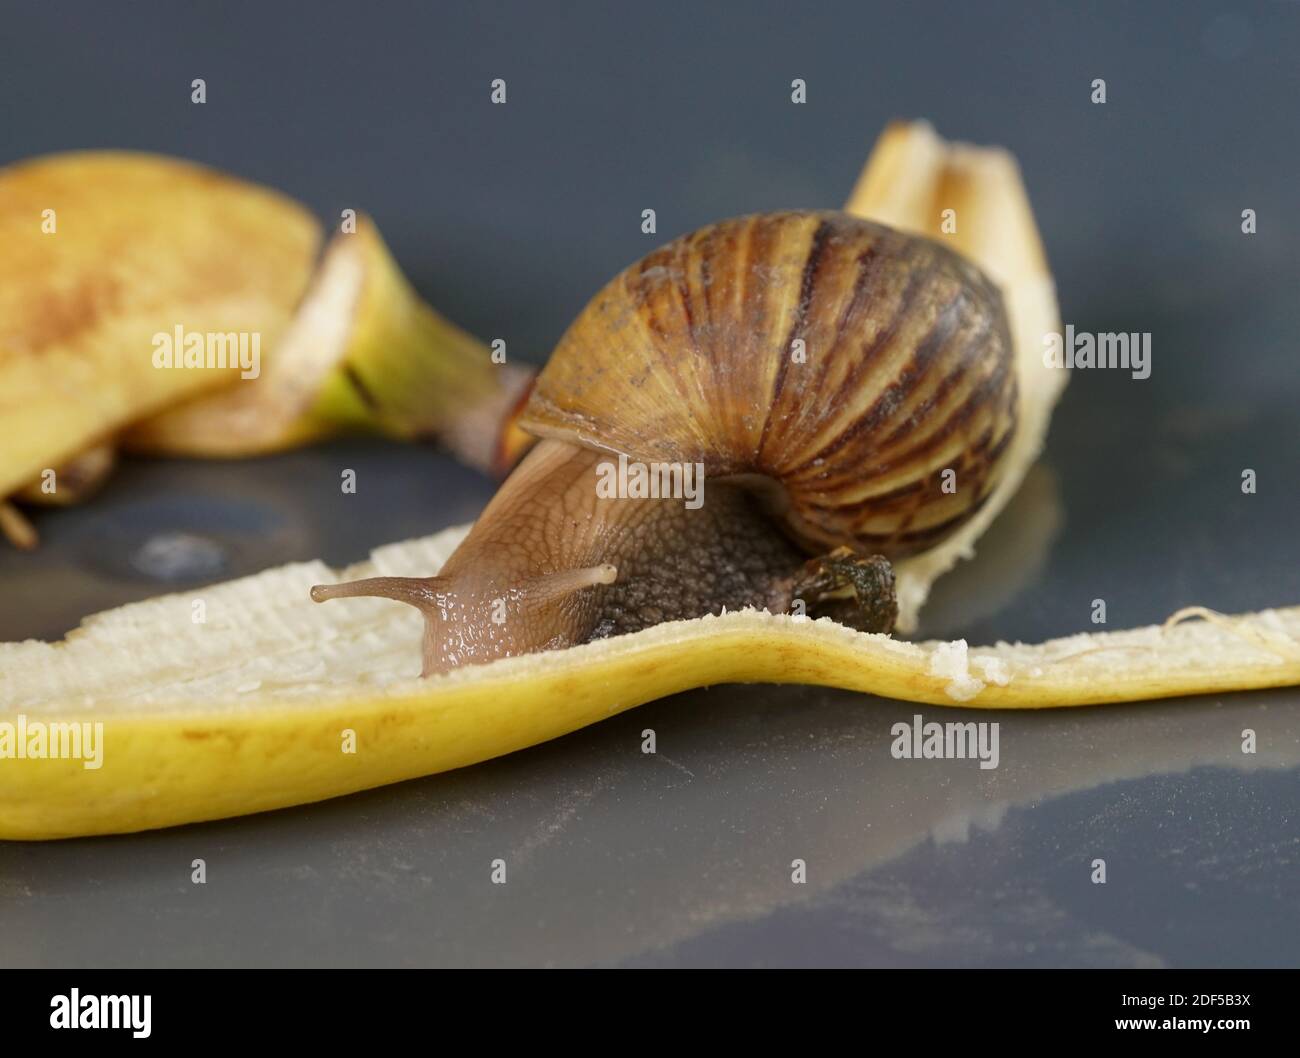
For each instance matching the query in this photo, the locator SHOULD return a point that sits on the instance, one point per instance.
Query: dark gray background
(507, 219)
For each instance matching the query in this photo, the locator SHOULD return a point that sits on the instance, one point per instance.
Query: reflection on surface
(1011, 555)
(612, 854)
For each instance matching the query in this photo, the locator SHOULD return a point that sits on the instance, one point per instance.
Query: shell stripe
(816, 252)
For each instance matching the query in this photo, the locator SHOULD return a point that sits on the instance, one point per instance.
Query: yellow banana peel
(15, 527)
(103, 251)
(272, 701)
(73, 481)
(364, 353)
(62, 486)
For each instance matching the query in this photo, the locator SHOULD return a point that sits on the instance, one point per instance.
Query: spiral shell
(905, 372)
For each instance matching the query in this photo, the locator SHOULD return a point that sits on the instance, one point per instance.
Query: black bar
(341, 1007)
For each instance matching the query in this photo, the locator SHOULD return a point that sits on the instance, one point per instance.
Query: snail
(848, 390)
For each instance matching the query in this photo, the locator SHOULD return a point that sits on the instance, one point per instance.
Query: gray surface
(507, 219)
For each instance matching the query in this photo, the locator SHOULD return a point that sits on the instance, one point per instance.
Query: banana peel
(102, 251)
(273, 701)
(363, 354)
(62, 486)
(105, 250)
(15, 527)
(72, 482)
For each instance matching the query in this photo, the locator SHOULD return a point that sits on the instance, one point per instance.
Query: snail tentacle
(420, 592)
(552, 586)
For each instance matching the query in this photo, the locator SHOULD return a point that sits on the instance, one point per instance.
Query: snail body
(824, 371)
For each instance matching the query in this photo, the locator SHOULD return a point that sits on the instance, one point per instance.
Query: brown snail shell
(848, 390)
(689, 355)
